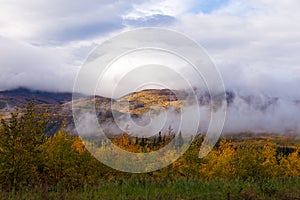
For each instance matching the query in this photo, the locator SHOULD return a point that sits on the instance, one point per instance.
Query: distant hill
(60, 104)
(21, 96)
(141, 102)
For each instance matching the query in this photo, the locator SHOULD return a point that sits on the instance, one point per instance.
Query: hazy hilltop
(246, 112)
(21, 96)
(59, 105)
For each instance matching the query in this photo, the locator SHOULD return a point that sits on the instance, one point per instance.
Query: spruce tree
(159, 137)
(21, 137)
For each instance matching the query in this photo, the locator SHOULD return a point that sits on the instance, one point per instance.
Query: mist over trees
(30, 158)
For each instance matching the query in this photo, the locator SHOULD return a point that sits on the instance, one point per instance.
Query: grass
(276, 188)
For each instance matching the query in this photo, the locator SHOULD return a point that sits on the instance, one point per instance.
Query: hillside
(21, 96)
(59, 105)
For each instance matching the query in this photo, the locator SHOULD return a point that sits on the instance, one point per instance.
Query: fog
(254, 44)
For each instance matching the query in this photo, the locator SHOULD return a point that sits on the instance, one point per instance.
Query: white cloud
(24, 65)
(43, 43)
(165, 7)
(60, 21)
(254, 43)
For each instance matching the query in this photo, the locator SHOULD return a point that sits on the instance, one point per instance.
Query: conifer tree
(179, 140)
(159, 137)
(20, 140)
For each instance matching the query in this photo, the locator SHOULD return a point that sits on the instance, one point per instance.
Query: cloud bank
(255, 44)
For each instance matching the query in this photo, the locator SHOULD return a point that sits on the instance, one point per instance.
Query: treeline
(29, 158)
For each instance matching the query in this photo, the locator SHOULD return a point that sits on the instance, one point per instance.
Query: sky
(255, 44)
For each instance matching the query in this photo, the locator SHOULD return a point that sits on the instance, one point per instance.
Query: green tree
(61, 160)
(20, 140)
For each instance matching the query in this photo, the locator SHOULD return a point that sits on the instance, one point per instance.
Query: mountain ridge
(136, 104)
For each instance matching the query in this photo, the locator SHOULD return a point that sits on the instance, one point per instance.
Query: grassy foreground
(275, 188)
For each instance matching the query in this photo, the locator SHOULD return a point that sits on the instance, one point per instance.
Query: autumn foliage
(30, 158)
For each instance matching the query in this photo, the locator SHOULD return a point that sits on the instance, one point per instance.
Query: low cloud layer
(255, 44)
(24, 65)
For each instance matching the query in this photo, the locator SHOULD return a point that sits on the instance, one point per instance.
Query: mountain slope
(255, 109)
(21, 96)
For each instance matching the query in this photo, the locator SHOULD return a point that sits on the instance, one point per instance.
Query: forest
(34, 165)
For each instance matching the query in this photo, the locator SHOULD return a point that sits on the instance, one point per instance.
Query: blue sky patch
(208, 6)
